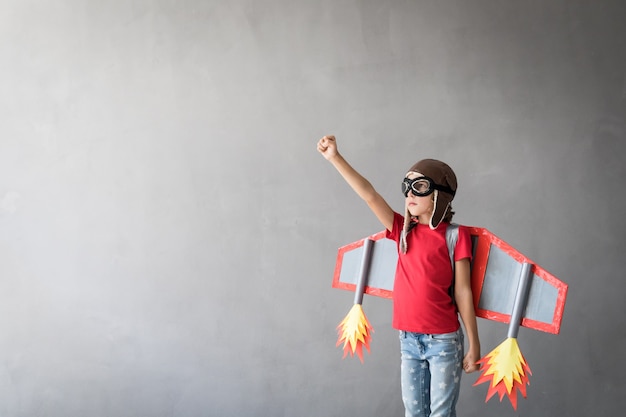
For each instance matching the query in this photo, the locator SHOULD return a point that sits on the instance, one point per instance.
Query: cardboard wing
(496, 273)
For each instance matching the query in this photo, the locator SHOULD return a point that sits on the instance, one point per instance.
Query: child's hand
(327, 146)
(469, 363)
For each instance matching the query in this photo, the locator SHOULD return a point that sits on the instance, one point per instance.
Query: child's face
(419, 206)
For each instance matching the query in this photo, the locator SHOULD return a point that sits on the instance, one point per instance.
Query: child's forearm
(468, 316)
(471, 330)
(359, 184)
(356, 181)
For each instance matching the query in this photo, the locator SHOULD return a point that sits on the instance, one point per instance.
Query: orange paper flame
(506, 370)
(354, 332)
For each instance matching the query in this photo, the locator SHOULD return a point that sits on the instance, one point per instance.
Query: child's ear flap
(442, 203)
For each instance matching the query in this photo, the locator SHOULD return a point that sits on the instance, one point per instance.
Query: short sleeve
(398, 222)
(463, 247)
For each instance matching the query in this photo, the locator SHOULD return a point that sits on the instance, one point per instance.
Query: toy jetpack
(507, 287)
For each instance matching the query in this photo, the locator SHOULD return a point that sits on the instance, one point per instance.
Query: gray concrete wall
(168, 231)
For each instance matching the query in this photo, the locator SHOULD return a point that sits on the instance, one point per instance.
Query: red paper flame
(506, 370)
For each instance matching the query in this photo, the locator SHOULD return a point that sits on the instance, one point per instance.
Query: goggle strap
(444, 189)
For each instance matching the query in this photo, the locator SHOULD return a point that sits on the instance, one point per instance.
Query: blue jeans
(431, 373)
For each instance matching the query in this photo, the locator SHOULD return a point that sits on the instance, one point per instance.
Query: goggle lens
(419, 186)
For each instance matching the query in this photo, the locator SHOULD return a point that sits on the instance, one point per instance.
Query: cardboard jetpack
(507, 287)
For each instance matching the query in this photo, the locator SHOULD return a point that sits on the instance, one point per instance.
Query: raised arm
(327, 146)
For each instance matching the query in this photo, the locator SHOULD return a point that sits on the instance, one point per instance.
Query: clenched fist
(327, 146)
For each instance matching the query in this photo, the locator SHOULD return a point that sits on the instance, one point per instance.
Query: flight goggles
(422, 186)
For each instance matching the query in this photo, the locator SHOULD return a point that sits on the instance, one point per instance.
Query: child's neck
(423, 219)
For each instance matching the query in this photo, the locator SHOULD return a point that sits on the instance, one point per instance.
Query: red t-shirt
(421, 298)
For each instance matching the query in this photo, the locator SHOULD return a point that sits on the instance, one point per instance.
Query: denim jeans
(431, 373)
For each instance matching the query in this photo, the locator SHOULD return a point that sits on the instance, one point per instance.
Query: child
(424, 310)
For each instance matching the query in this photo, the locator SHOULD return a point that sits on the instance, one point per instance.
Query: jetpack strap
(452, 236)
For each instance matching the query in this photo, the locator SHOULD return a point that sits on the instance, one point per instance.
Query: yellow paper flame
(506, 370)
(354, 332)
